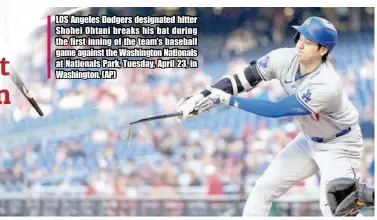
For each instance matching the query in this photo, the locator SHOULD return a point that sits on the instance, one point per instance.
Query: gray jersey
(320, 91)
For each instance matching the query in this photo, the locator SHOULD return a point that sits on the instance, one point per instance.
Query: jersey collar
(298, 77)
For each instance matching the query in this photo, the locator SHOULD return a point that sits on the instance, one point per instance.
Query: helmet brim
(305, 32)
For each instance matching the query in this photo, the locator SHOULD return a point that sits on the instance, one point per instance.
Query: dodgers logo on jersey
(306, 97)
(263, 61)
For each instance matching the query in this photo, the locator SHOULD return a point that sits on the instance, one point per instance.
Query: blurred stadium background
(80, 160)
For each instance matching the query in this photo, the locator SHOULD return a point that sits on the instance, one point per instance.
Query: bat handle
(36, 107)
(195, 112)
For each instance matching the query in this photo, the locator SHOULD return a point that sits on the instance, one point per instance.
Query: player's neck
(306, 68)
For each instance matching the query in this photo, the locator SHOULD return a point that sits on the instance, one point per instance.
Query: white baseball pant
(300, 159)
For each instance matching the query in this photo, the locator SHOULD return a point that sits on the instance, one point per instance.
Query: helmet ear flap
(296, 37)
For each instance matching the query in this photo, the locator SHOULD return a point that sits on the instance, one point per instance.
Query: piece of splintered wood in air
(129, 139)
(141, 133)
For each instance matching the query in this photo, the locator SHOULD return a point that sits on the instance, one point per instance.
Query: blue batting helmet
(318, 30)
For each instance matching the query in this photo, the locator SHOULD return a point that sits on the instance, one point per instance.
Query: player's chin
(300, 57)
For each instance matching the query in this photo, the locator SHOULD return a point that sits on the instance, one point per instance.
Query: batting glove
(215, 99)
(187, 106)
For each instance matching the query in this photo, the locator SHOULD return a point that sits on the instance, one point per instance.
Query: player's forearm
(240, 82)
(288, 106)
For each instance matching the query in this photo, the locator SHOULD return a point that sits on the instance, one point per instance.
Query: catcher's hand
(346, 196)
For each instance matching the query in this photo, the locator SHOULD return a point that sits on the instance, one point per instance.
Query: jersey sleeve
(273, 63)
(318, 98)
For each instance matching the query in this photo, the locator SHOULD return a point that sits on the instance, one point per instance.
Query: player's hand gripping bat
(16, 79)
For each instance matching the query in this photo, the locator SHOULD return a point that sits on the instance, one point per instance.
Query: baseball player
(330, 141)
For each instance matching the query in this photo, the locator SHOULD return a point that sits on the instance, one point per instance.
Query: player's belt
(321, 140)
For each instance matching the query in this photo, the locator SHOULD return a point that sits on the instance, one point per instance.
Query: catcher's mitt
(346, 196)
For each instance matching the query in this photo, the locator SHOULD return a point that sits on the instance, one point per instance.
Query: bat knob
(195, 112)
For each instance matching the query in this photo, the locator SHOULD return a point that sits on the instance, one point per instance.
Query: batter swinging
(330, 141)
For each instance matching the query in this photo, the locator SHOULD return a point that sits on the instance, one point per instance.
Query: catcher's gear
(346, 196)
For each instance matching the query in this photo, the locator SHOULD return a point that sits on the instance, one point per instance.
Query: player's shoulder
(286, 53)
(328, 77)
(281, 56)
(329, 74)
